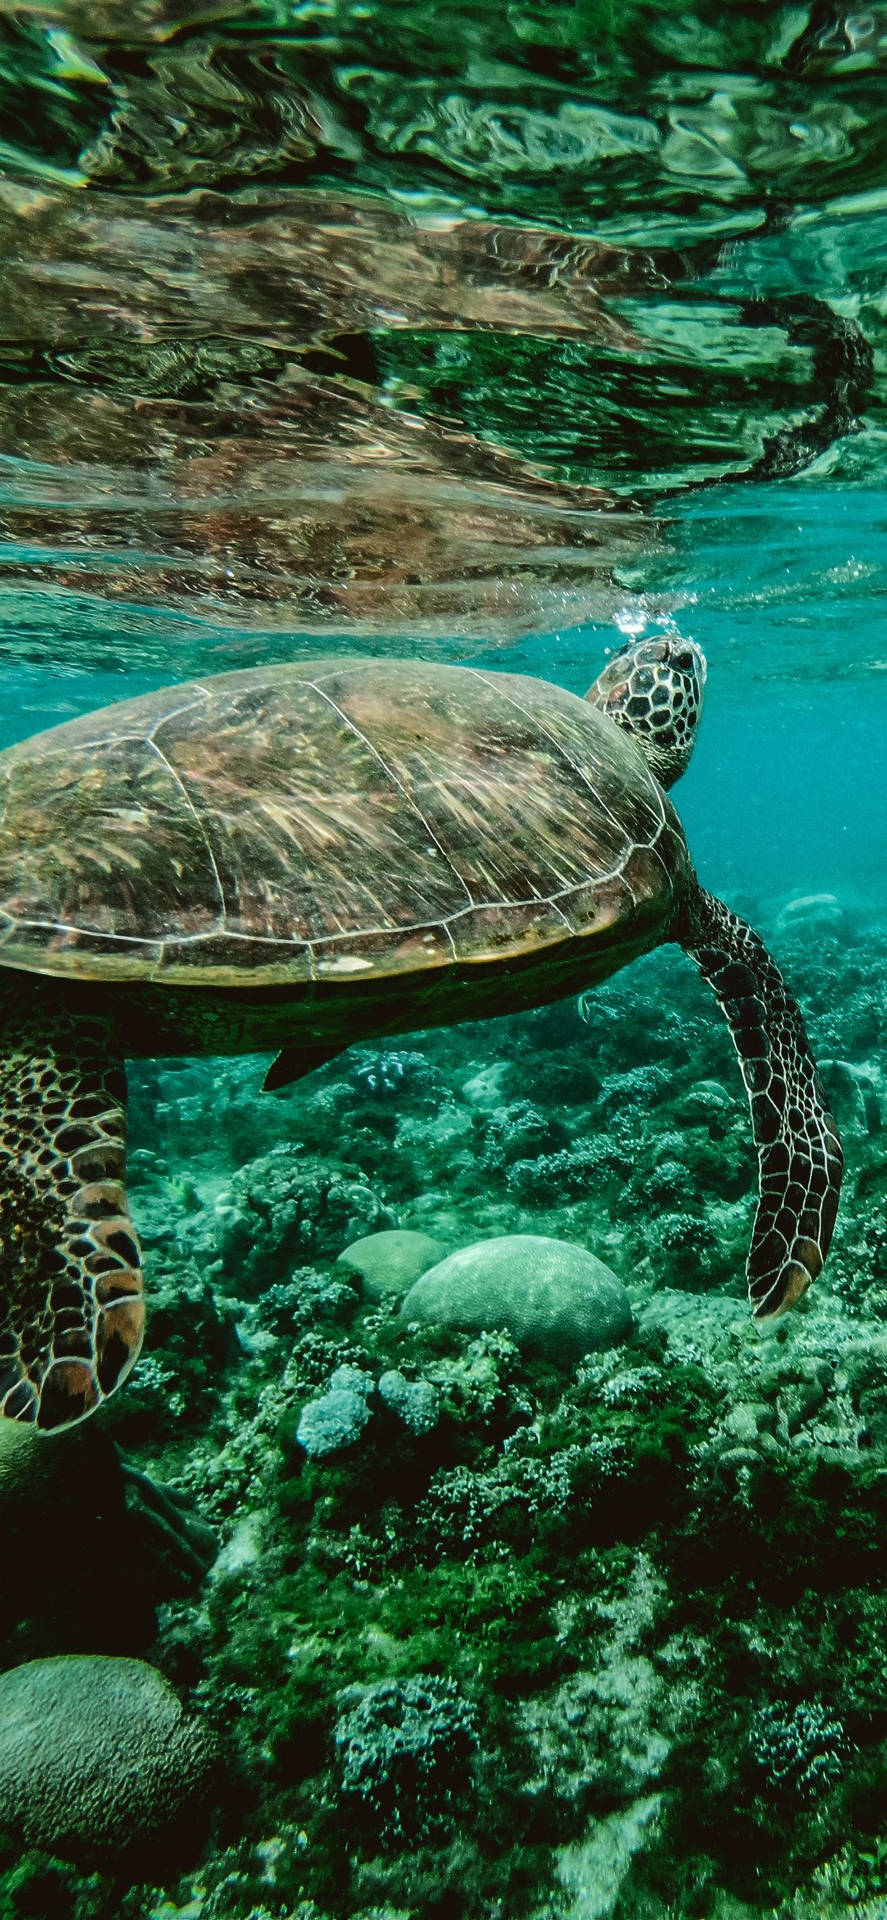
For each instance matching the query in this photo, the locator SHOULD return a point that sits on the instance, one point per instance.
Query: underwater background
(492, 333)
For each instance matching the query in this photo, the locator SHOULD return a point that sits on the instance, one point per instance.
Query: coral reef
(491, 1629)
(282, 1208)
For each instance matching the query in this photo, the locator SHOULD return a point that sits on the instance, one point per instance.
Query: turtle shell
(329, 821)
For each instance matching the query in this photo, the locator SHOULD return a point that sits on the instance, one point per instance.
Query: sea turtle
(305, 855)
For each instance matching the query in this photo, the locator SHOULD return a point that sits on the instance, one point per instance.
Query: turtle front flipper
(71, 1311)
(800, 1160)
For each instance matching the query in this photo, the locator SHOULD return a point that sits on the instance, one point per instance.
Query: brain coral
(96, 1755)
(549, 1295)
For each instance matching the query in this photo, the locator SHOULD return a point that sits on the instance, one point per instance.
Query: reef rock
(96, 1755)
(814, 913)
(853, 1095)
(551, 1297)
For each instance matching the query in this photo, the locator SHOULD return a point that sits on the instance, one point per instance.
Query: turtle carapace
(299, 857)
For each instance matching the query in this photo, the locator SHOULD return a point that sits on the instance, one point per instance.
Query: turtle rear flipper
(800, 1160)
(71, 1311)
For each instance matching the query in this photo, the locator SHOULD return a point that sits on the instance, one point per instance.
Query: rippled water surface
(498, 334)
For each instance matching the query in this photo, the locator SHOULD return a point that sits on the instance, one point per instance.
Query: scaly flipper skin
(800, 1160)
(71, 1311)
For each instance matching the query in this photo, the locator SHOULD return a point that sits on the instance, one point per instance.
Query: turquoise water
(785, 594)
(545, 1586)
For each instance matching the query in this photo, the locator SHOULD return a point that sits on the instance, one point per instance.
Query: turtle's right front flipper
(71, 1311)
(800, 1160)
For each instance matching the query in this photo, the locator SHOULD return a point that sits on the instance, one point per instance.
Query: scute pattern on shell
(327, 821)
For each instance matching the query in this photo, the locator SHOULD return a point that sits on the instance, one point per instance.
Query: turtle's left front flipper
(800, 1160)
(71, 1311)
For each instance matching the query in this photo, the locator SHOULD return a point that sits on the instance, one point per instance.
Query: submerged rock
(592, 1873)
(96, 1755)
(814, 913)
(387, 1263)
(485, 1088)
(551, 1297)
(853, 1095)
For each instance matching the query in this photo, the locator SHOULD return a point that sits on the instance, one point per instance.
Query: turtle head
(653, 688)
